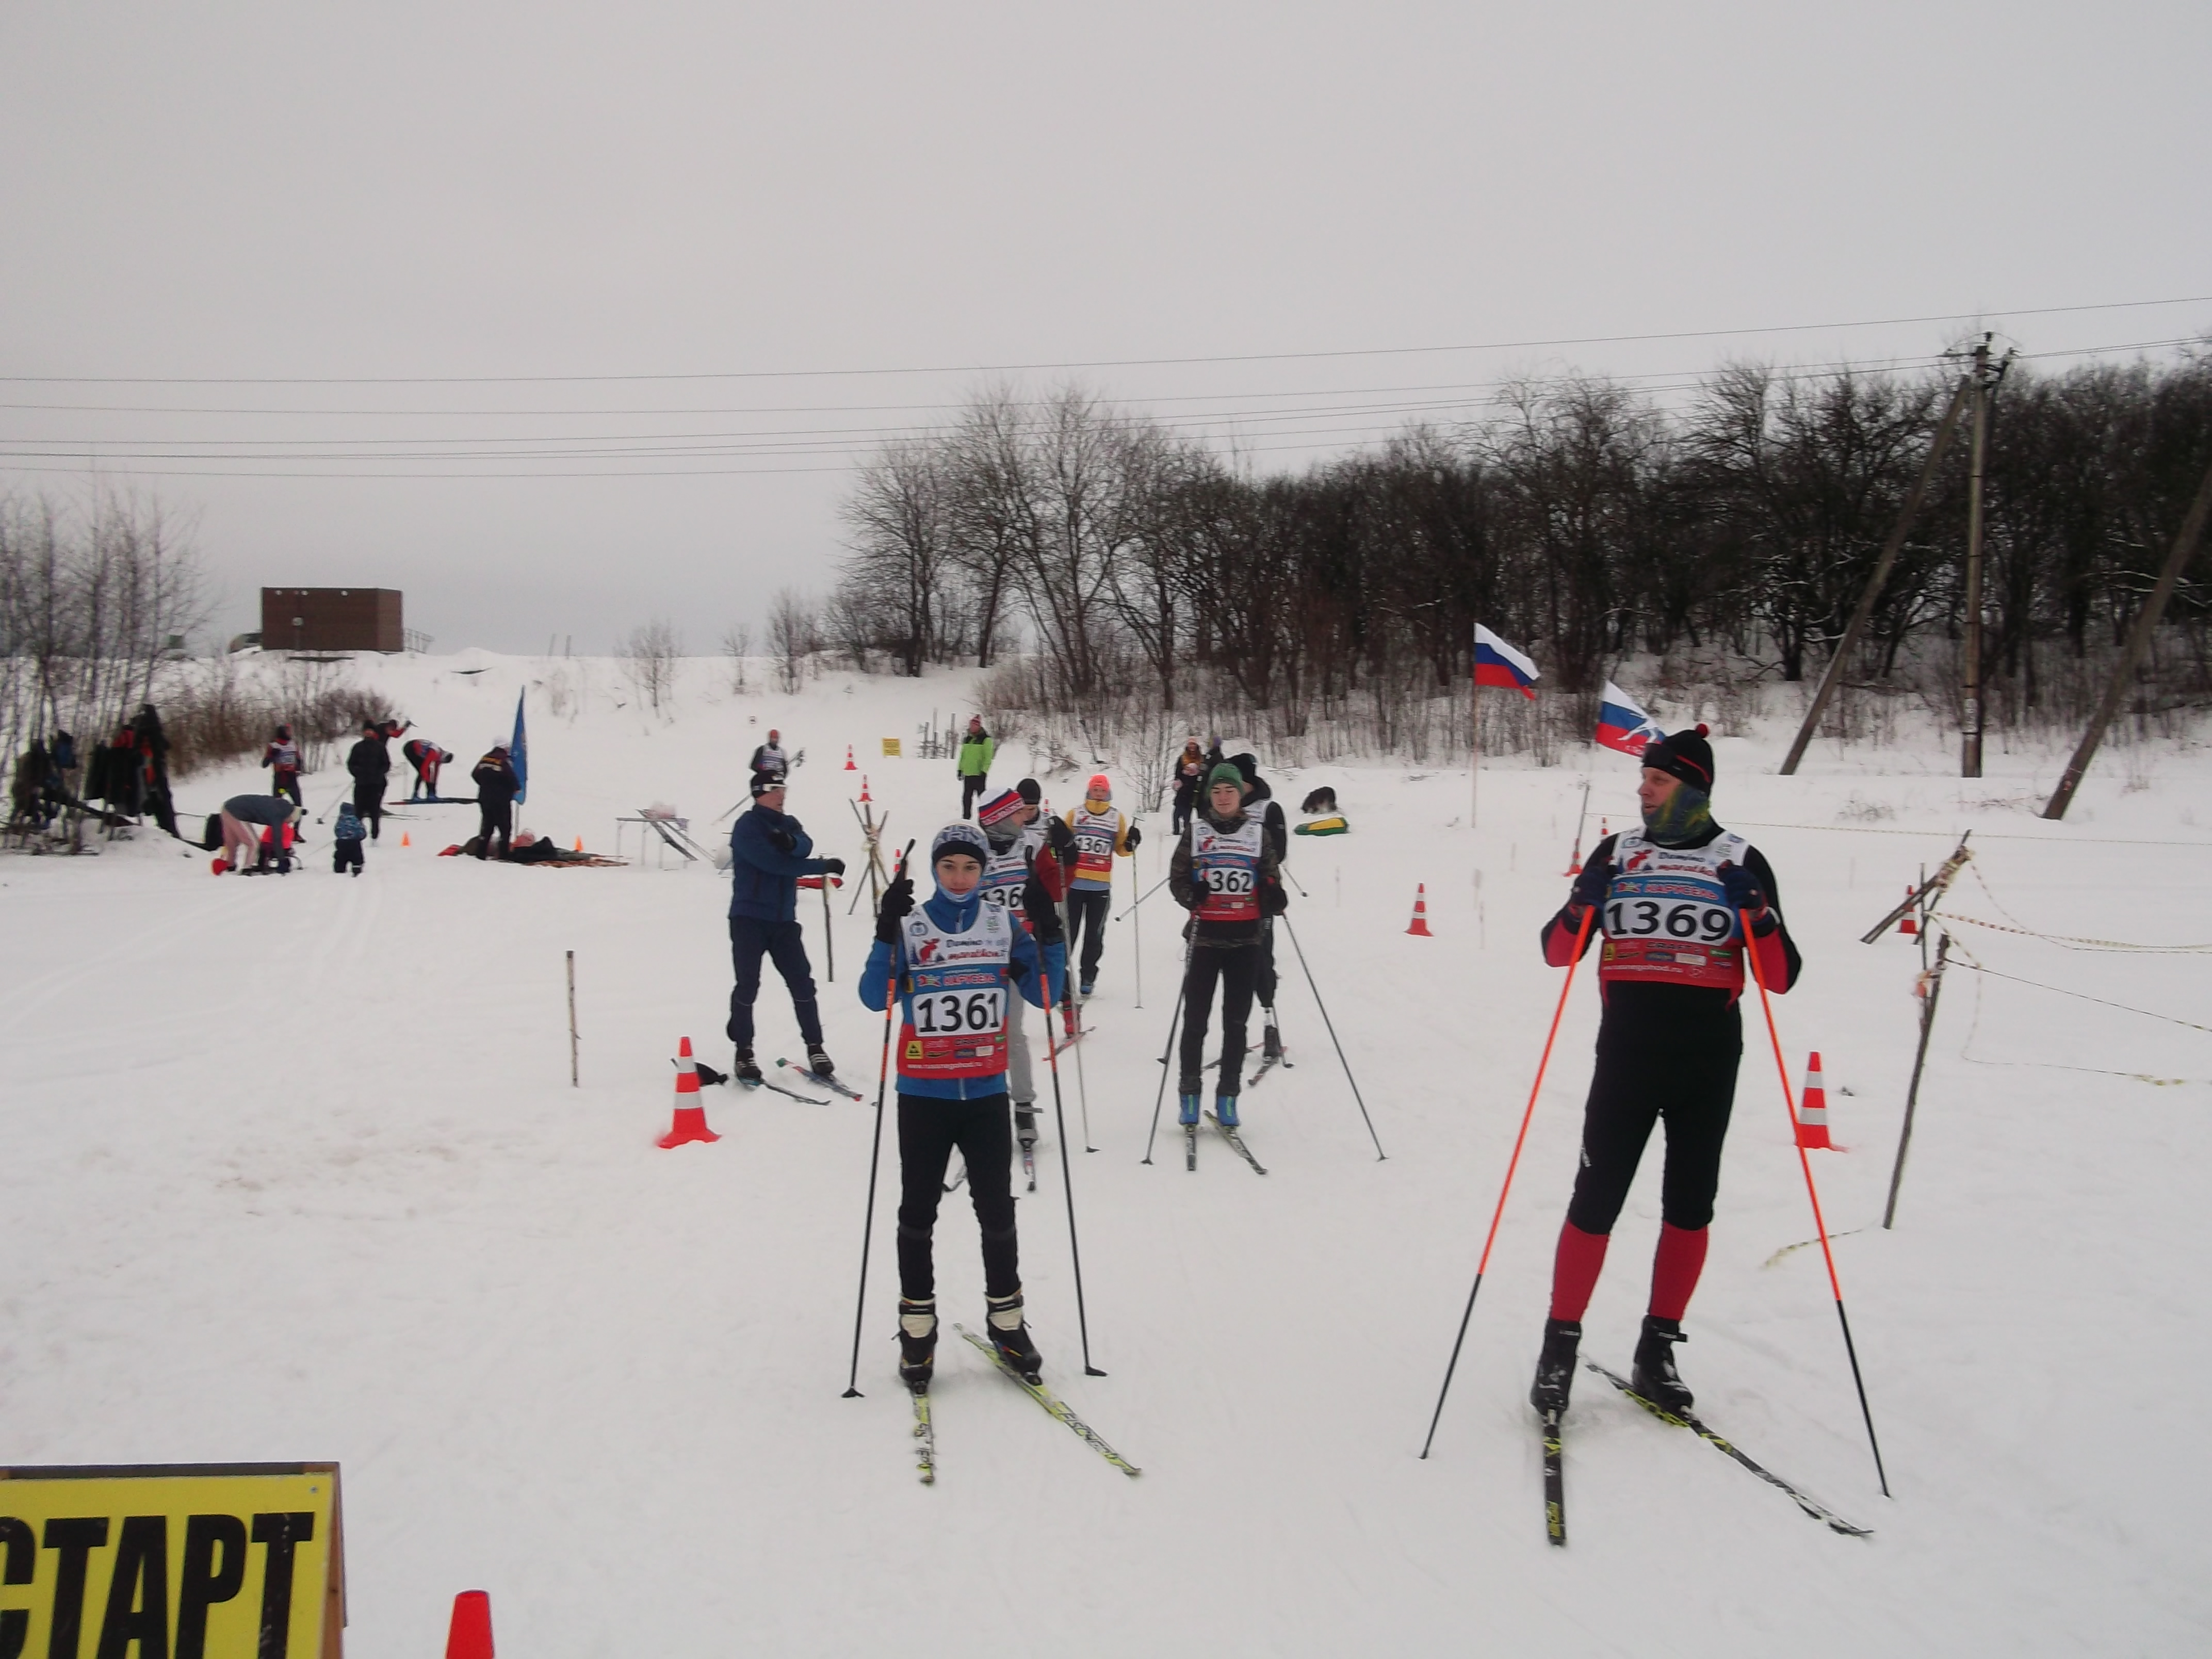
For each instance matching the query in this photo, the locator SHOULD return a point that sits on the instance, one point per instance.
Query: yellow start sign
(891, 749)
(171, 1561)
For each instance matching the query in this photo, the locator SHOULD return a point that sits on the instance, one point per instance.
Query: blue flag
(518, 752)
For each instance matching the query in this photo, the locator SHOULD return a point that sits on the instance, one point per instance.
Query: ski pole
(875, 1157)
(1142, 896)
(1069, 1016)
(1167, 1054)
(1379, 1153)
(1067, 1176)
(828, 944)
(1582, 938)
(1819, 1227)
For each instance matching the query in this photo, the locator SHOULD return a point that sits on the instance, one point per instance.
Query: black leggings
(1682, 1073)
(1237, 968)
(928, 1130)
(497, 818)
(1087, 925)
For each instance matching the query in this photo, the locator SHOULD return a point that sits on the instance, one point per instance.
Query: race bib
(1667, 915)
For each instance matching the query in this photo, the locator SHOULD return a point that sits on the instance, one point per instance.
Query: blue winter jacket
(764, 877)
(1037, 972)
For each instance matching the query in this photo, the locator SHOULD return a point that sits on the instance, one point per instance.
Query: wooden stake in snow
(573, 1082)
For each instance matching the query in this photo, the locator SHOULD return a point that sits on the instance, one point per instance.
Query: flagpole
(1473, 738)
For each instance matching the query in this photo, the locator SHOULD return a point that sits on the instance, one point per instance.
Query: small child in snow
(347, 836)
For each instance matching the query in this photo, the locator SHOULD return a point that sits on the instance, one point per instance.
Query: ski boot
(1188, 1115)
(818, 1060)
(1555, 1367)
(917, 1342)
(748, 1070)
(1085, 989)
(1025, 1129)
(1271, 1039)
(1225, 1111)
(1654, 1375)
(1002, 1317)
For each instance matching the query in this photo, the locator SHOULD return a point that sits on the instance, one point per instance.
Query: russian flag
(1622, 723)
(1497, 663)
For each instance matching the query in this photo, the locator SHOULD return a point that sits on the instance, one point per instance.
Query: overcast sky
(453, 206)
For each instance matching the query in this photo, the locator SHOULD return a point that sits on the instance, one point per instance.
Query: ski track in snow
(292, 1170)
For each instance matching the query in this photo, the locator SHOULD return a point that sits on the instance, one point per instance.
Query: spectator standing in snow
(346, 837)
(768, 759)
(769, 851)
(972, 767)
(496, 788)
(427, 758)
(369, 761)
(1190, 773)
(281, 757)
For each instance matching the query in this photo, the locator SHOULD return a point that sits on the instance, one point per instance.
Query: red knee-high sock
(1674, 1269)
(1575, 1270)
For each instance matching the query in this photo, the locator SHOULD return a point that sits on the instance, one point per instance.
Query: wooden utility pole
(1970, 687)
(2139, 638)
(1859, 618)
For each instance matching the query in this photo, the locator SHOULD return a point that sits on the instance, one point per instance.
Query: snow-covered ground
(292, 1170)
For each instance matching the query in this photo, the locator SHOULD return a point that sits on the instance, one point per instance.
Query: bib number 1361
(949, 1014)
(1685, 920)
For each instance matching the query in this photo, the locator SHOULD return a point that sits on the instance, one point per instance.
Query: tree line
(1576, 516)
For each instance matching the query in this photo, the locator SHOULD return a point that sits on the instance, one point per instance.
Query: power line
(1097, 362)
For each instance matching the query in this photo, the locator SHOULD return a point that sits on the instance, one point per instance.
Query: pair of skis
(925, 1431)
(1228, 1134)
(1555, 1500)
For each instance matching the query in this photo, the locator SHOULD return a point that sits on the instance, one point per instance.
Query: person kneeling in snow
(1670, 899)
(955, 963)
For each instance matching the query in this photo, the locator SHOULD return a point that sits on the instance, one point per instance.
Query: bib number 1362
(950, 1013)
(1687, 919)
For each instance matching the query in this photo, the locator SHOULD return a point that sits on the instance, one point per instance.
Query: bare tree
(794, 635)
(738, 649)
(651, 656)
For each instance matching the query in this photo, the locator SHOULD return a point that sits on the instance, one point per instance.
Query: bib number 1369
(1684, 920)
(949, 1014)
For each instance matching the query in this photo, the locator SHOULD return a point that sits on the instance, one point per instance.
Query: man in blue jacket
(957, 960)
(768, 852)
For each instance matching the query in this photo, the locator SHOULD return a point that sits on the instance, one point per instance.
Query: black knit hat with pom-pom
(1684, 754)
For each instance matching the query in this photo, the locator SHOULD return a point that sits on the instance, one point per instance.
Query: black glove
(897, 905)
(1135, 839)
(782, 841)
(1043, 914)
(1059, 838)
(1742, 890)
(833, 866)
(1590, 885)
(1273, 901)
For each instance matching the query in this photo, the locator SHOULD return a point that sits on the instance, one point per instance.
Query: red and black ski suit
(1671, 971)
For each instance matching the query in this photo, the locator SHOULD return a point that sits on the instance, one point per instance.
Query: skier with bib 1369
(1670, 899)
(953, 964)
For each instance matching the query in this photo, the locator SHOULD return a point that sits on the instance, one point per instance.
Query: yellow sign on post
(190, 1560)
(891, 749)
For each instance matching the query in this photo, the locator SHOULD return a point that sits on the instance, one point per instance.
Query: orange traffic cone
(1420, 925)
(1575, 862)
(849, 767)
(1909, 927)
(404, 842)
(864, 785)
(470, 1635)
(579, 844)
(690, 1124)
(1812, 1109)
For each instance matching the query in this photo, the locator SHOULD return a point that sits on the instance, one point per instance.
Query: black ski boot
(1271, 1039)
(1655, 1376)
(1003, 1317)
(818, 1060)
(917, 1343)
(1555, 1367)
(1025, 1124)
(748, 1071)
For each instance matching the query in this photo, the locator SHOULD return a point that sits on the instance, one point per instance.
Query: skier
(1669, 898)
(1225, 874)
(428, 759)
(957, 961)
(768, 758)
(281, 757)
(369, 761)
(496, 788)
(1259, 800)
(1010, 826)
(346, 837)
(768, 852)
(1101, 835)
(1190, 773)
(973, 766)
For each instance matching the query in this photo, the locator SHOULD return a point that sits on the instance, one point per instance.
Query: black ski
(708, 1074)
(1555, 1484)
(1697, 1426)
(1237, 1141)
(1053, 1404)
(825, 1080)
